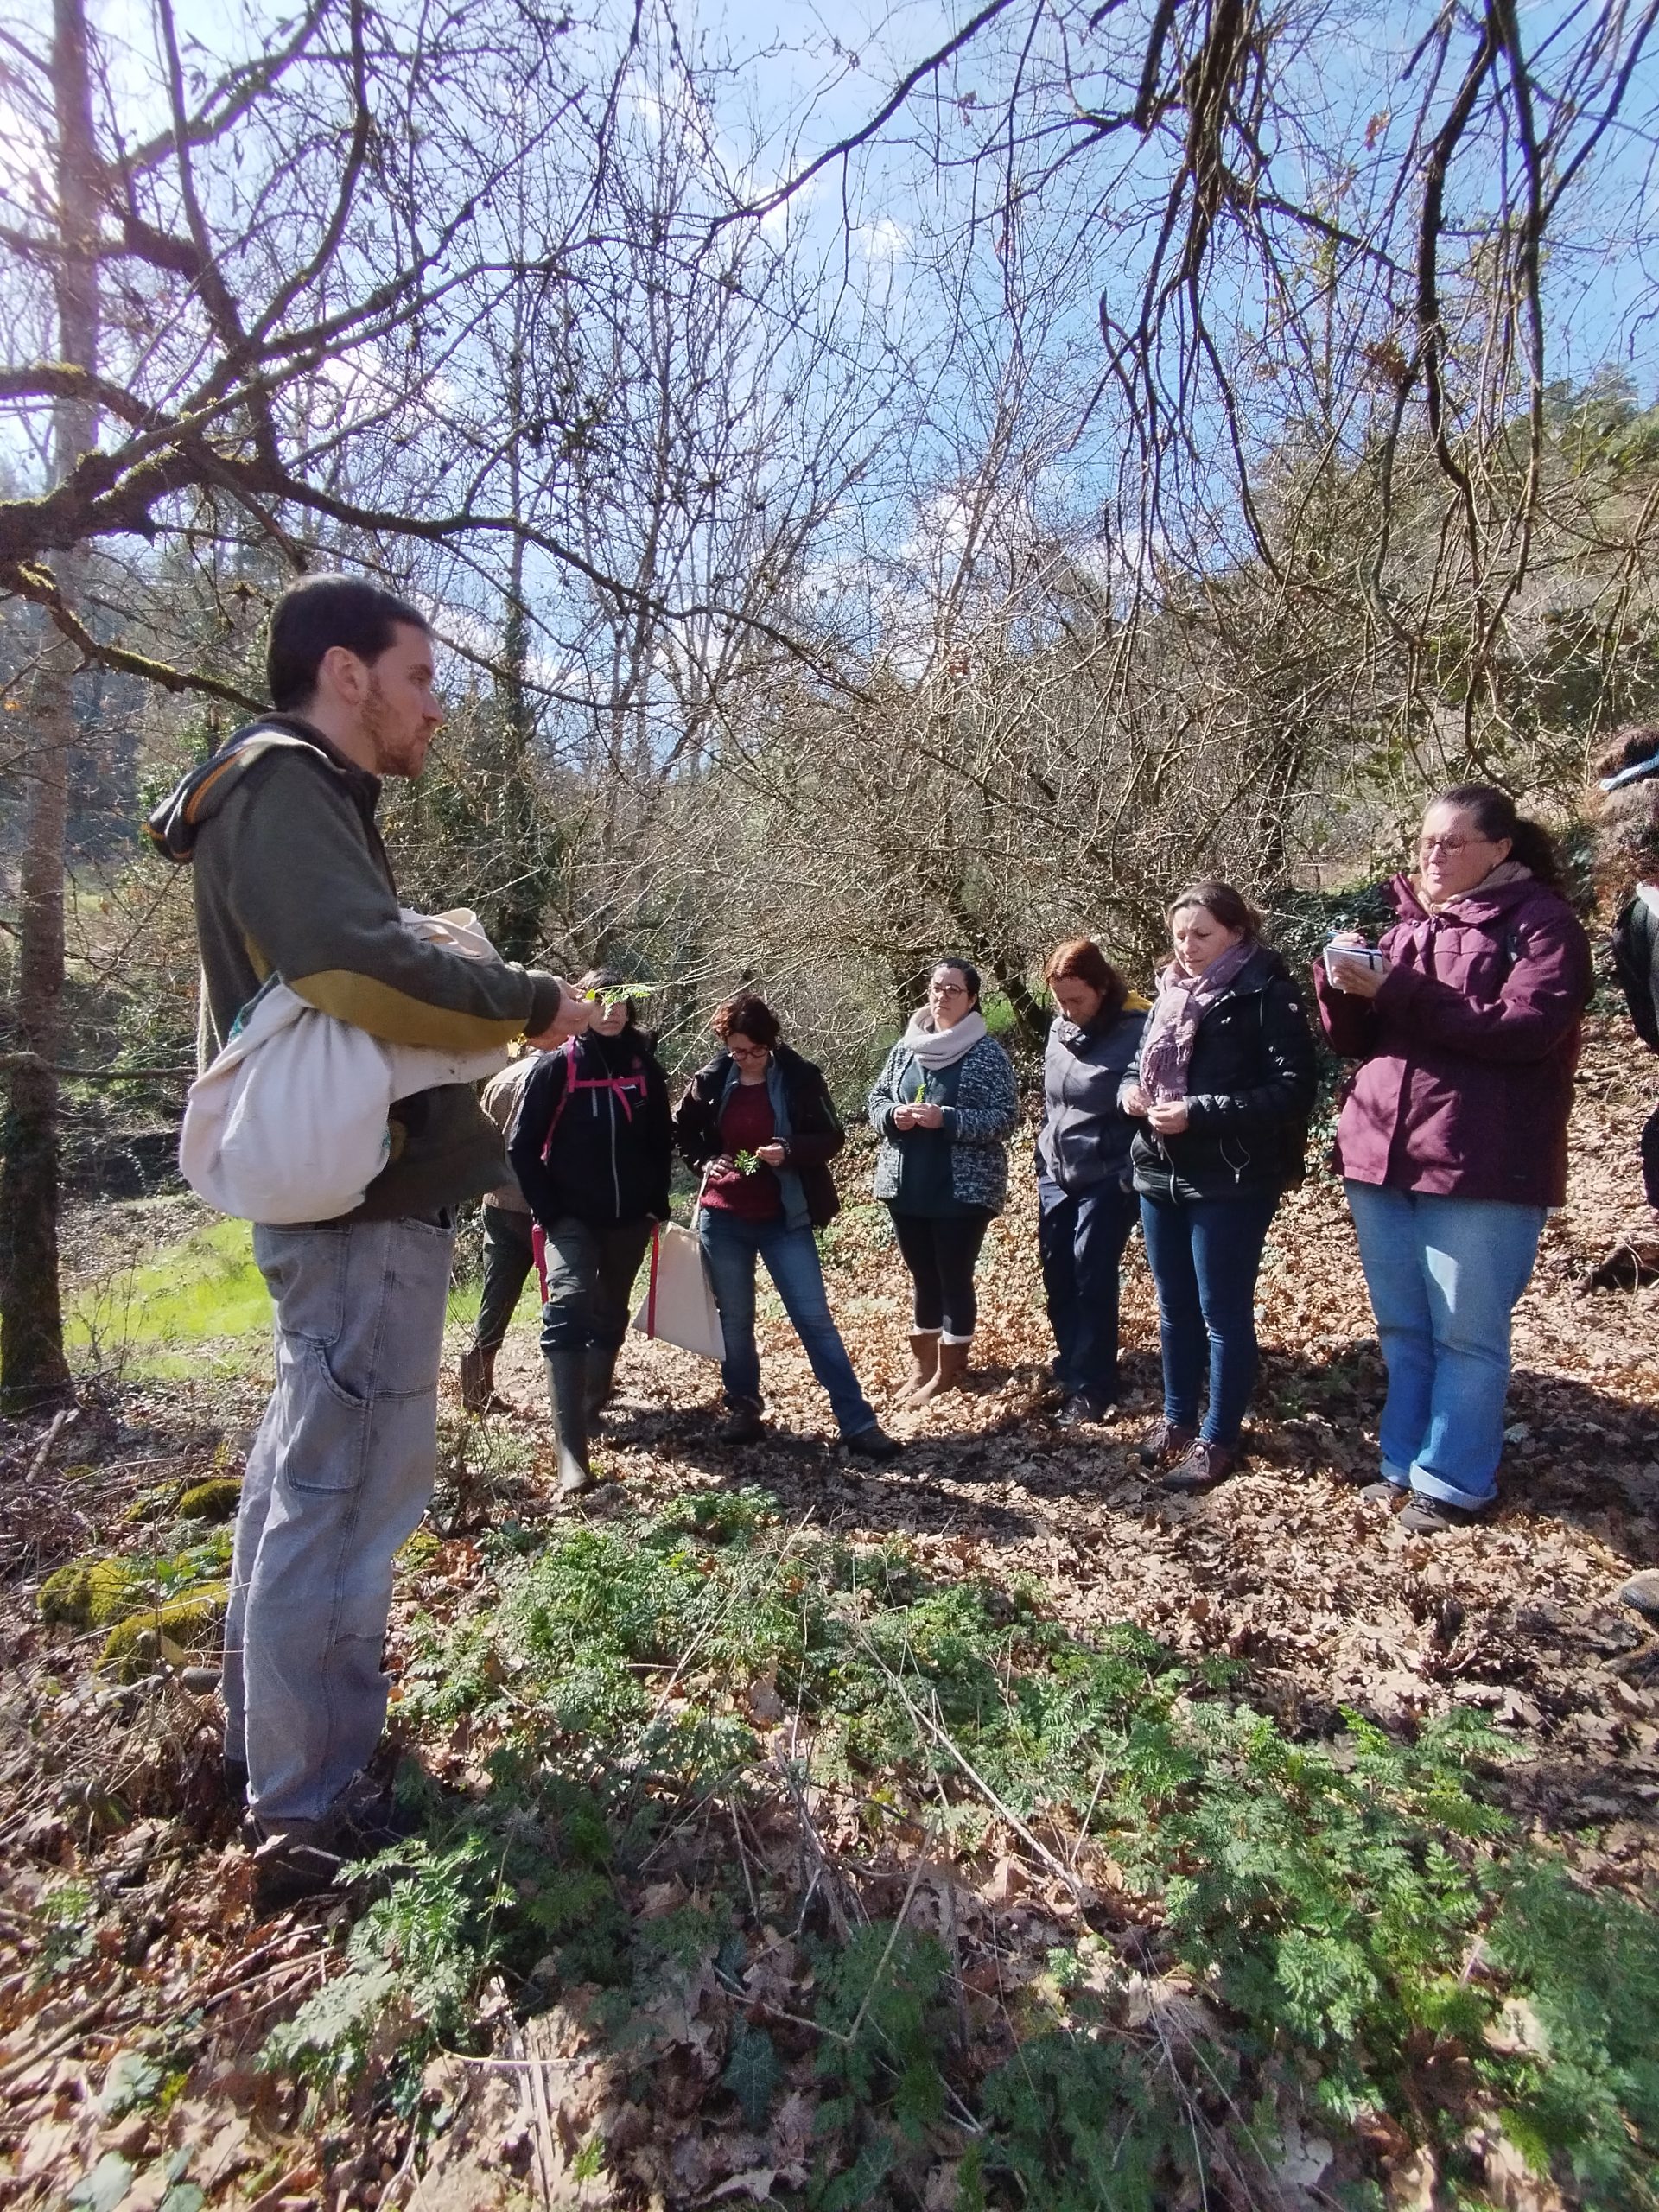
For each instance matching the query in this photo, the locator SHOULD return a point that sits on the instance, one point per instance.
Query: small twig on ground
(822, 1869)
(65, 1418)
(83, 2022)
(743, 1857)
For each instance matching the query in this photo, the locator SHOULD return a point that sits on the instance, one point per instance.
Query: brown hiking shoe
(1205, 1465)
(477, 1379)
(1163, 1439)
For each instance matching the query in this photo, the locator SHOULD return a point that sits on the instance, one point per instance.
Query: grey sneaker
(1433, 1516)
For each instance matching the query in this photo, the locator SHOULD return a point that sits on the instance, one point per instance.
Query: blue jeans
(1081, 1236)
(1444, 1276)
(1204, 1256)
(340, 1474)
(731, 1247)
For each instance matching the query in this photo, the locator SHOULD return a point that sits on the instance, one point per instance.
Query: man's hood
(172, 827)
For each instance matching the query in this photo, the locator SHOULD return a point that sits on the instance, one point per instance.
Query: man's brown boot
(948, 1374)
(924, 1363)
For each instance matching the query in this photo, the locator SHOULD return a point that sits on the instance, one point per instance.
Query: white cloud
(884, 241)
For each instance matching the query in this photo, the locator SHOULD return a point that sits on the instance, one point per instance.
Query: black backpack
(1633, 964)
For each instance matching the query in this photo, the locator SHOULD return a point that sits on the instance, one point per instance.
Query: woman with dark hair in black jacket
(1086, 1201)
(759, 1122)
(592, 1148)
(1222, 1083)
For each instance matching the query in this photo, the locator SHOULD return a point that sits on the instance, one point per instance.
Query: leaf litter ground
(987, 1829)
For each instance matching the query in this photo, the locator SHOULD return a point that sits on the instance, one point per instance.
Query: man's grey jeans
(338, 1476)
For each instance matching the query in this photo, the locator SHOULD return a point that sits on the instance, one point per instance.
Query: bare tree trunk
(32, 1368)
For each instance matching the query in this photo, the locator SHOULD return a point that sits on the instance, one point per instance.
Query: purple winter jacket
(1468, 1050)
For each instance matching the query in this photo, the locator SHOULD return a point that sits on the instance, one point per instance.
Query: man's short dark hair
(323, 612)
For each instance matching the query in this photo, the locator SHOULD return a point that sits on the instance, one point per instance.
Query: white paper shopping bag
(679, 1305)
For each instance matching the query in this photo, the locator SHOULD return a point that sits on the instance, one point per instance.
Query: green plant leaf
(103, 2188)
(752, 2072)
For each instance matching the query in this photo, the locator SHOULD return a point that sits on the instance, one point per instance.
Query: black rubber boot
(743, 1424)
(567, 1390)
(601, 1378)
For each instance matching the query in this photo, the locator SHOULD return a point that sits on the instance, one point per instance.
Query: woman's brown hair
(1495, 818)
(1082, 958)
(1229, 907)
(746, 1014)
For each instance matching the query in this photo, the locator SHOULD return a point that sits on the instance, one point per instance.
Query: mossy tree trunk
(32, 1368)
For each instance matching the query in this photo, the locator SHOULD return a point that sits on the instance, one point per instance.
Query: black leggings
(940, 1252)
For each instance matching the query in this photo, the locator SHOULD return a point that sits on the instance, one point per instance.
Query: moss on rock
(92, 1592)
(189, 1624)
(216, 1499)
(420, 1549)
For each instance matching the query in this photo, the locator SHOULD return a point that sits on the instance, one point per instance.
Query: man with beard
(291, 879)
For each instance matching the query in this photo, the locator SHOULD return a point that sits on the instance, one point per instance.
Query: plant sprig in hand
(610, 995)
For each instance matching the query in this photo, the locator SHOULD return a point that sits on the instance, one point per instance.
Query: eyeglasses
(740, 1049)
(948, 990)
(1450, 845)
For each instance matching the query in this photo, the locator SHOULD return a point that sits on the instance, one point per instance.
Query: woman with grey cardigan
(945, 1106)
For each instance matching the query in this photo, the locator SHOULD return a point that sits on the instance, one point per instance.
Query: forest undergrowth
(990, 1830)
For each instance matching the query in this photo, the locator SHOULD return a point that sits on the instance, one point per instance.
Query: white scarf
(942, 1048)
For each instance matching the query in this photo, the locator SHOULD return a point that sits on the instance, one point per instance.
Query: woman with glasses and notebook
(759, 1124)
(1452, 1134)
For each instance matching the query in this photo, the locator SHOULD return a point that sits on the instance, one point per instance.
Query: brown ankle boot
(948, 1374)
(924, 1363)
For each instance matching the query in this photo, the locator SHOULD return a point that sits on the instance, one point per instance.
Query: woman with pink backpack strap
(593, 1148)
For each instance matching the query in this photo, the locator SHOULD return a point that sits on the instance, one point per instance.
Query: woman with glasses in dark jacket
(1221, 1086)
(1087, 1204)
(759, 1122)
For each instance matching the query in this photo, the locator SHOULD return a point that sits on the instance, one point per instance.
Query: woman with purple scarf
(1223, 1084)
